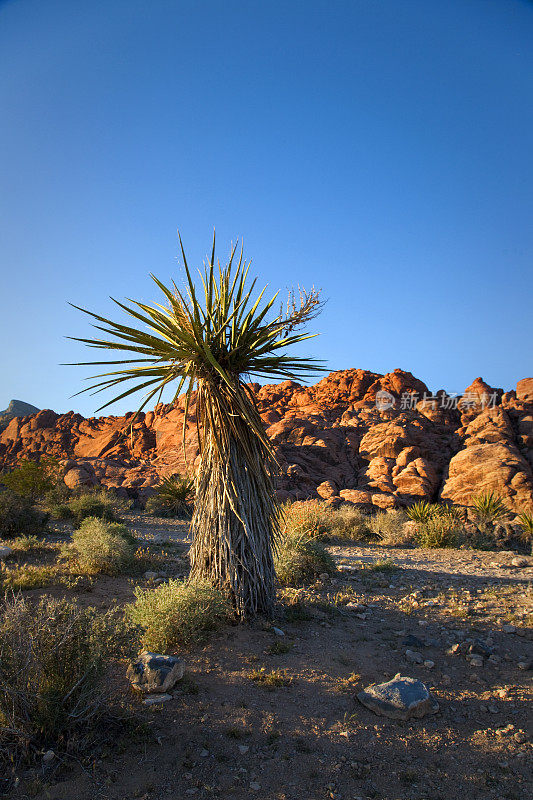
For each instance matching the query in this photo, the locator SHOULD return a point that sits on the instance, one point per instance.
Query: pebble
(429, 664)
(48, 757)
(476, 661)
(509, 629)
(254, 786)
(414, 656)
(278, 632)
(243, 748)
(157, 699)
(527, 665)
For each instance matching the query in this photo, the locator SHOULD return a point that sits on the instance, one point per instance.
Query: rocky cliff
(376, 440)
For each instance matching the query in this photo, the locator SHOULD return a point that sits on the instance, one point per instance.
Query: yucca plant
(207, 341)
(525, 521)
(488, 507)
(421, 511)
(174, 496)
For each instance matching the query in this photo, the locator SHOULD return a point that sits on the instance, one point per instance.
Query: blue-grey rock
(153, 672)
(399, 698)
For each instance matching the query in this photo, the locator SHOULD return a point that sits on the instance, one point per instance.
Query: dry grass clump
(101, 547)
(389, 527)
(271, 679)
(300, 559)
(178, 613)
(53, 658)
(30, 576)
(347, 523)
(18, 516)
(311, 518)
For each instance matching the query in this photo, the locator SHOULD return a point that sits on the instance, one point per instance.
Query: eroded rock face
(355, 436)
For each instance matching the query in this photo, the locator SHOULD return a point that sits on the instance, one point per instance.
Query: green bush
(99, 504)
(525, 521)
(300, 559)
(53, 658)
(18, 517)
(32, 479)
(100, 546)
(178, 613)
(422, 511)
(174, 497)
(440, 531)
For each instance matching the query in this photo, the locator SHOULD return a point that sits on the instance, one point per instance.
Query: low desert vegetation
(388, 527)
(32, 479)
(53, 660)
(489, 508)
(174, 498)
(99, 546)
(178, 613)
(439, 531)
(100, 503)
(301, 558)
(19, 517)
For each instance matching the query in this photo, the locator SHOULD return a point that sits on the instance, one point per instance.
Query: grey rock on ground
(399, 698)
(153, 672)
(5, 552)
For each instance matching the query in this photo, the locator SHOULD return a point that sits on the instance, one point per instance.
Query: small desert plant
(386, 565)
(30, 576)
(174, 497)
(525, 521)
(18, 517)
(300, 559)
(348, 523)
(32, 479)
(53, 658)
(388, 526)
(100, 546)
(178, 613)
(272, 679)
(422, 511)
(489, 508)
(99, 504)
(438, 531)
(309, 518)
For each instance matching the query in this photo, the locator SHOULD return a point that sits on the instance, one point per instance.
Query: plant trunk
(235, 520)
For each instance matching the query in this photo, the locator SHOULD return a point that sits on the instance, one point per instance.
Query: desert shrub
(178, 613)
(29, 576)
(101, 546)
(347, 522)
(18, 516)
(99, 504)
(53, 658)
(388, 526)
(525, 522)
(439, 531)
(310, 518)
(174, 497)
(489, 508)
(300, 559)
(32, 479)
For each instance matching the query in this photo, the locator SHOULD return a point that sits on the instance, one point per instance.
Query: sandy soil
(226, 735)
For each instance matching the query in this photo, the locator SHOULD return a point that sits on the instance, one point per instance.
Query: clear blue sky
(379, 149)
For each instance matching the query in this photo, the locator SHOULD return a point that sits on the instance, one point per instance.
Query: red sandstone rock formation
(337, 440)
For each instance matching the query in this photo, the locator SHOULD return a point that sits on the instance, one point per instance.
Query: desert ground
(269, 710)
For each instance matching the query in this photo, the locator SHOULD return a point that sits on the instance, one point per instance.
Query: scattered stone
(509, 629)
(479, 648)
(476, 661)
(359, 607)
(399, 698)
(254, 786)
(414, 657)
(278, 631)
(243, 748)
(150, 576)
(324, 577)
(5, 552)
(526, 665)
(156, 699)
(429, 664)
(520, 562)
(520, 737)
(153, 672)
(204, 753)
(48, 757)
(446, 680)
